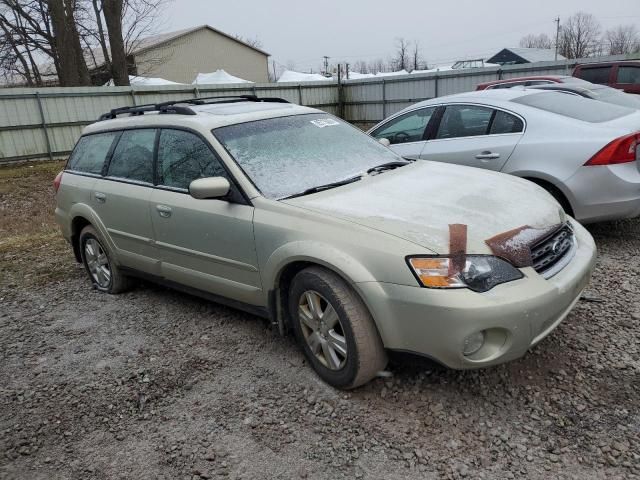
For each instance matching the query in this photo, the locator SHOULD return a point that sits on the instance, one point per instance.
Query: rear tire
(334, 329)
(98, 262)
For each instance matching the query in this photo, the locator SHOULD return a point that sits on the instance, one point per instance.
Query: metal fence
(46, 122)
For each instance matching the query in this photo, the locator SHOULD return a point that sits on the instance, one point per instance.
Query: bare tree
(72, 70)
(579, 36)
(376, 66)
(536, 41)
(622, 40)
(361, 66)
(112, 11)
(416, 57)
(401, 59)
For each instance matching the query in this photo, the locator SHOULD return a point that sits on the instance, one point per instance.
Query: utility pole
(347, 68)
(557, 20)
(326, 65)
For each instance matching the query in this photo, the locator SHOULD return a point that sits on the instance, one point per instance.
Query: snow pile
(291, 76)
(217, 77)
(391, 74)
(358, 76)
(145, 81)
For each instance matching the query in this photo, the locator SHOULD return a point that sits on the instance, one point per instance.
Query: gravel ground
(158, 384)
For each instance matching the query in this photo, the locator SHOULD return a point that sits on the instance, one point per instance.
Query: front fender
(320, 253)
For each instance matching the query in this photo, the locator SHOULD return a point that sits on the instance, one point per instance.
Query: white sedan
(584, 152)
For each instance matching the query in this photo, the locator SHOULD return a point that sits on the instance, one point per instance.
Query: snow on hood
(418, 202)
(291, 76)
(217, 77)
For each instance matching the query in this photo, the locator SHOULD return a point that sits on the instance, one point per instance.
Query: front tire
(335, 329)
(103, 273)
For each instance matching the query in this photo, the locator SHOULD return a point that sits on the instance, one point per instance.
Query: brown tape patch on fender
(457, 248)
(515, 245)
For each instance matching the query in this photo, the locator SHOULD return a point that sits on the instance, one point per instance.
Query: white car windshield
(288, 155)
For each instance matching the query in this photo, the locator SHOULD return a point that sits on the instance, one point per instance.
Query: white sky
(302, 31)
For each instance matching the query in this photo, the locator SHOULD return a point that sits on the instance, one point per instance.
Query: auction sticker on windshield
(325, 122)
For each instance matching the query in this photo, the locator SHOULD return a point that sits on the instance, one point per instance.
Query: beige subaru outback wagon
(290, 213)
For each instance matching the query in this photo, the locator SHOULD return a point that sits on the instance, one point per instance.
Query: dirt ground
(158, 384)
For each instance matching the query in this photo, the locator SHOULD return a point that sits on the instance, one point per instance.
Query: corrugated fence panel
(18, 111)
(29, 142)
(67, 110)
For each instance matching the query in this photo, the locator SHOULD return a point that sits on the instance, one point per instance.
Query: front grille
(553, 250)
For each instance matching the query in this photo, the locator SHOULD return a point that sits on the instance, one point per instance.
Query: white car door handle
(487, 156)
(163, 211)
(100, 197)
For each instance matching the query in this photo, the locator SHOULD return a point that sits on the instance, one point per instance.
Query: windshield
(288, 155)
(572, 106)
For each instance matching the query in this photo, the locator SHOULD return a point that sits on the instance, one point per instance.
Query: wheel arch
(551, 185)
(289, 260)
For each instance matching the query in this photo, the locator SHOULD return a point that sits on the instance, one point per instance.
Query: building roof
(533, 55)
(154, 41)
(147, 43)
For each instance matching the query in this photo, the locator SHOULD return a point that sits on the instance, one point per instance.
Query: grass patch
(32, 250)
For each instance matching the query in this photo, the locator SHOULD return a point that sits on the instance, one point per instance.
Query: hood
(418, 202)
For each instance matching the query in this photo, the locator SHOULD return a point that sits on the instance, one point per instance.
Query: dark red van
(623, 75)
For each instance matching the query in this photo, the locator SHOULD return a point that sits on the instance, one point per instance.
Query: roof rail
(174, 106)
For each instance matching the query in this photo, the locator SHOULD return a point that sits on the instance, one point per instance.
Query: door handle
(163, 211)
(487, 155)
(100, 197)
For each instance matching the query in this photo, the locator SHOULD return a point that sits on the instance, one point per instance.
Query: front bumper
(516, 315)
(608, 192)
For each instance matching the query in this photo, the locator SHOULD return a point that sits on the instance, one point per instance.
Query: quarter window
(504, 122)
(91, 152)
(464, 121)
(184, 157)
(133, 157)
(595, 74)
(629, 75)
(406, 128)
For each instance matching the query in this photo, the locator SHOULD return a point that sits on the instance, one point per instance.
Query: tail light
(621, 150)
(56, 181)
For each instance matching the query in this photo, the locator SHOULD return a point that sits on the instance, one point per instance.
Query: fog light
(473, 343)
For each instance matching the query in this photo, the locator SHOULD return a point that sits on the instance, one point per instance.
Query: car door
(121, 199)
(475, 136)
(406, 132)
(204, 244)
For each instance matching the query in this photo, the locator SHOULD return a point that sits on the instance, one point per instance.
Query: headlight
(480, 273)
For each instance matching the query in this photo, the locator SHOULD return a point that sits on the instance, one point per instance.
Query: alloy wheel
(97, 263)
(322, 330)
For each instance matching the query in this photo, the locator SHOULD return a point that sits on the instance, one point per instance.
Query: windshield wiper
(327, 186)
(391, 165)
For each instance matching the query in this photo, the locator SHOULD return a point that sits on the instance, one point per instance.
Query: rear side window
(595, 74)
(574, 106)
(133, 156)
(629, 74)
(91, 152)
(504, 122)
(184, 157)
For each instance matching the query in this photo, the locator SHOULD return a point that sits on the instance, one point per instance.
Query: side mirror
(212, 187)
(385, 141)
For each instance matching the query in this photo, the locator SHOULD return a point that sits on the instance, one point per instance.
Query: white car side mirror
(212, 187)
(385, 141)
